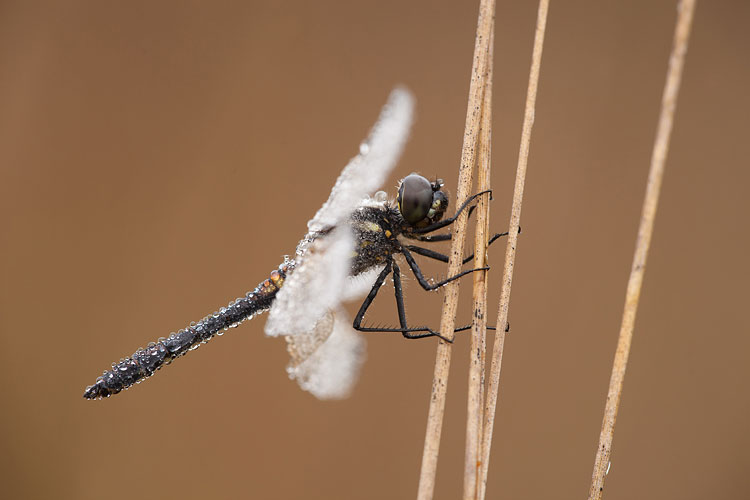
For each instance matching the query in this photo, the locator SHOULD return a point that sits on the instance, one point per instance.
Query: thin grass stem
(436, 411)
(645, 230)
(510, 251)
(477, 350)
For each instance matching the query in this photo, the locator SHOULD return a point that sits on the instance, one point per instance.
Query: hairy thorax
(375, 233)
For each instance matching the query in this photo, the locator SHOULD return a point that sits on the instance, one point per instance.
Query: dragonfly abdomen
(145, 362)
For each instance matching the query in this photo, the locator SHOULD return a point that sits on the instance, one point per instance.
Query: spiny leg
(426, 252)
(466, 327)
(410, 333)
(436, 237)
(420, 277)
(450, 220)
(405, 330)
(371, 296)
(430, 238)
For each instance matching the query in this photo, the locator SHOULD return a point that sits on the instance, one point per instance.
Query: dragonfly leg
(426, 252)
(430, 238)
(450, 220)
(371, 296)
(468, 327)
(420, 277)
(437, 237)
(406, 331)
(409, 333)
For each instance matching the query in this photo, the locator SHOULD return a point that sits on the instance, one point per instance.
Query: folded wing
(367, 171)
(326, 362)
(326, 352)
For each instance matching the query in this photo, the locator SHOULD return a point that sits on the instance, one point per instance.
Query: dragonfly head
(420, 201)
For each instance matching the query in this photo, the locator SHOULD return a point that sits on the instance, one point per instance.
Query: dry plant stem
(450, 297)
(510, 251)
(656, 173)
(477, 350)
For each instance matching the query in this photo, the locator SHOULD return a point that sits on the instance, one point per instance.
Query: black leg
(444, 258)
(436, 237)
(467, 327)
(421, 279)
(405, 330)
(450, 220)
(428, 253)
(409, 333)
(431, 238)
(371, 296)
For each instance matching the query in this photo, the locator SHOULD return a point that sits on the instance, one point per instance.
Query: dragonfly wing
(326, 352)
(357, 286)
(322, 262)
(315, 286)
(326, 361)
(377, 156)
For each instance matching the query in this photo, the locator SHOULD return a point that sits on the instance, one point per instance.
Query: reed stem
(450, 298)
(510, 251)
(645, 230)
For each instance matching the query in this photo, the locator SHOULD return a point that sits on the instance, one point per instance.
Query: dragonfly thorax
(375, 232)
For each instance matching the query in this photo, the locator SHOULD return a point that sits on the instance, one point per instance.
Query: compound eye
(414, 198)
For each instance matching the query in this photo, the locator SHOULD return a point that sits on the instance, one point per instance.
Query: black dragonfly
(348, 250)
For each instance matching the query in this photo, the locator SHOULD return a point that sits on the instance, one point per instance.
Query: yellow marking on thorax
(370, 226)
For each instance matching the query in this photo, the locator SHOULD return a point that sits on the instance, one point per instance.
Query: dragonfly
(348, 252)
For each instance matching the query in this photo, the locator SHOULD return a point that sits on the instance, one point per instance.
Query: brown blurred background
(158, 159)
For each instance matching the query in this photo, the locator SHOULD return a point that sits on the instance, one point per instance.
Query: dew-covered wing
(326, 361)
(316, 285)
(326, 351)
(323, 257)
(377, 156)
